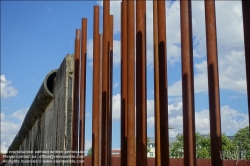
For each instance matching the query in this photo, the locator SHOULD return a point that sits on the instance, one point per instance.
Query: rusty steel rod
(141, 87)
(110, 89)
(187, 83)
(76, 92)
(96, 89)
(156, 88)
(124, 122)
(213, 83)
(246, 26)
(131, 83)
(105, 83)
(100, 98)
(83, 87)
(162, 52)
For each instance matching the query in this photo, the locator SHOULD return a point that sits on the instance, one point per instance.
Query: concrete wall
(53, 131)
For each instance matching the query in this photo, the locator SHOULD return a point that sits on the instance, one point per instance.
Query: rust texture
(105, 83)
(187, 83)
(213, 83)
(246, 26)
(124, 98)
(141, 95)
(76, 92)
(100, 98)
(156, 87)
(96, 89)
(111, 18)
(162, 54)
(83, 86)
(131, 161)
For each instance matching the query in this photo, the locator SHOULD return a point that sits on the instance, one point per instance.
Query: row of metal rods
(134, 149)
(78, 123)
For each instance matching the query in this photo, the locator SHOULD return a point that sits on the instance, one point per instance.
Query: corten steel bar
(141, 94)
(187, 83)
(96, 89)
(83, 87)
(156, 88)
(162, 52)
(110, 89)
(105, 83)
(124, 82)
(131, 83)
(246, 26)
(100, 98)
(76, 92)
(213, 84)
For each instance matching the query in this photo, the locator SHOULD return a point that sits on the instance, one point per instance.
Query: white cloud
(88, 144)
(10, 125)
(232, 75)
(116, 85)
(20, 114)
(231, 120)
(230, 48)
(6, 89)
(116, 107)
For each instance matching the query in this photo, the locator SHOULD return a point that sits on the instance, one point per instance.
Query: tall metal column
(156, 87)
(187, 83)
(76, 92)
(246, 25)
(110, 89)
(83, 87)
(162, 52)
(96, 90)
(124, 122)
(131, 161)
(213, 84)
(105, 83)
(141, 87)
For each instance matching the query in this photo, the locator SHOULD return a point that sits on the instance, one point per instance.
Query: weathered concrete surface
(53, 131)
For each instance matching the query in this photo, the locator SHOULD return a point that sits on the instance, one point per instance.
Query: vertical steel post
(96, 89)
(105, 82)
(110, 90)
(187, 83)
(213, 83)
(246, 26)
(156, 87)
(83, 87)
(162, 52)
(141, 94)
(76, 92)
(100, 99)
(124, 122)
(131, 83)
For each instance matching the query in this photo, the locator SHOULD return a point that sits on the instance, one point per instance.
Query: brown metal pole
(124, 82)
(110, 89)
(156, 88)
(213, 84)
(131, 83)
(76, 92)
(96, 89)
(187, 83)
(83, 87)
(162, 52)
(141, 94)
(246, 25)
(105, 83)
(100, 99)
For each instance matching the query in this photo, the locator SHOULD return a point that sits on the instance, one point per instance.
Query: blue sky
(36, 36)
